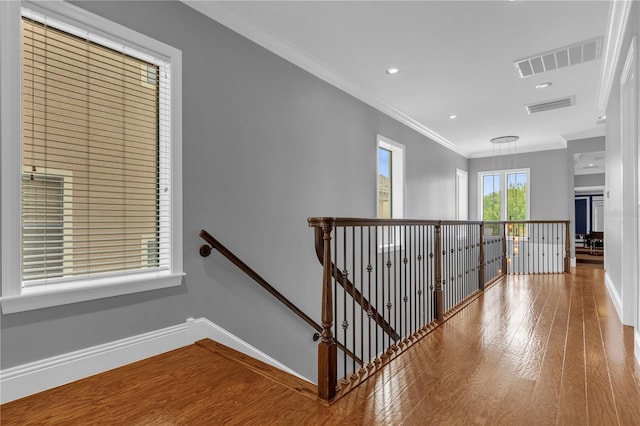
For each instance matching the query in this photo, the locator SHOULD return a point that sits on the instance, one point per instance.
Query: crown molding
(296, 56)
(618, 17)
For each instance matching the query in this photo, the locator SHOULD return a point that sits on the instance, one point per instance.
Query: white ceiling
(455, 57)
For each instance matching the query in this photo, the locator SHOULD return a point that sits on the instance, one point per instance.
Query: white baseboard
(205, 329)
(27, 379)
(614, 295)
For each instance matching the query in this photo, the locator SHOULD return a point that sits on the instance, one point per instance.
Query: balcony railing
(387, 282)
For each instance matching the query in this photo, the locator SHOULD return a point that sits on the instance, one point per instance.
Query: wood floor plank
(535, 350)
(600, 400)
(572, 403)
(543, 406)
(508, 372)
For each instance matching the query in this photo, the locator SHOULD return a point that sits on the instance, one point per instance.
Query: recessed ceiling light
(602, 117)
(452, 116)
(392, 70)
(543, 85)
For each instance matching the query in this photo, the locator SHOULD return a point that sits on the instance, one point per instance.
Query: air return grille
(574, 54)
(549, 105)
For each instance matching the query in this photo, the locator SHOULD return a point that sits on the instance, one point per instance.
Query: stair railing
(386, 283)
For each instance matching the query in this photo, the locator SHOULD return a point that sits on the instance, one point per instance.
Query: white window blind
(42, 226)
(95, 156)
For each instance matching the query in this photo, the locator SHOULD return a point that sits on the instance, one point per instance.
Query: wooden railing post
(567, 247)
(327, 350)
(505, 264)
(438, 296)
(481, 259)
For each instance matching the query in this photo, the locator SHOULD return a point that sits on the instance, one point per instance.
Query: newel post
(505, 263)
(327, 349)
(481, 258)
(438, 296)
(567, 247)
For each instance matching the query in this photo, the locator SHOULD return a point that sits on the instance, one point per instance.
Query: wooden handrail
(317, 222)
(213, 243)
(351, 289)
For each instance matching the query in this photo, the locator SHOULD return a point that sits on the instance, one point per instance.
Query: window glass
(517, 196)
(491, 198)
(42, 226)
(384, 183)
(93, 113)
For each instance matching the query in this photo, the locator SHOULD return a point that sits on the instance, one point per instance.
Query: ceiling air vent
(549, 105)
(574, 54)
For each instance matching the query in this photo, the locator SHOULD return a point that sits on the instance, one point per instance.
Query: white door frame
(629, 223)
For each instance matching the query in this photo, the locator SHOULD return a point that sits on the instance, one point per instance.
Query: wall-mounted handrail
(205, 250)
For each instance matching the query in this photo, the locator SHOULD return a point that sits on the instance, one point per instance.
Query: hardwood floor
(589, 258)
(535, 350)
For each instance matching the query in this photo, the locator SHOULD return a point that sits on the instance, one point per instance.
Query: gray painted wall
(580, 181)
(266, 145)
(549, 181)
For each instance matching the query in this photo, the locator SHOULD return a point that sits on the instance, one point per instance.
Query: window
(390, 179)
(99, 195)
(384, 183)
(504, 195)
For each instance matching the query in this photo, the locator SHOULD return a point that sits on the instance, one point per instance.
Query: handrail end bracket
(205, 250)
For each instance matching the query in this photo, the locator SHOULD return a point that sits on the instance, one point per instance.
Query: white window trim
(15, 298)
(462, 174)
(397, 176)
(503, 191)
(397, 191)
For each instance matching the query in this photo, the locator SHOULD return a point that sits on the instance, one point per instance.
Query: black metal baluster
(389, 265)
(353, 298)
(393, 310)
(377, 269)
(428, 295)
(413, 281)
(450, 275)
(369, 270)
(405, 298)
(528, 248)
(345, 277)
(546, 239)
(419, 276)
(559, 248)
(336, 313)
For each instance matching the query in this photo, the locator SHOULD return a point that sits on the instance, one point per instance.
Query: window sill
(49, 296)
